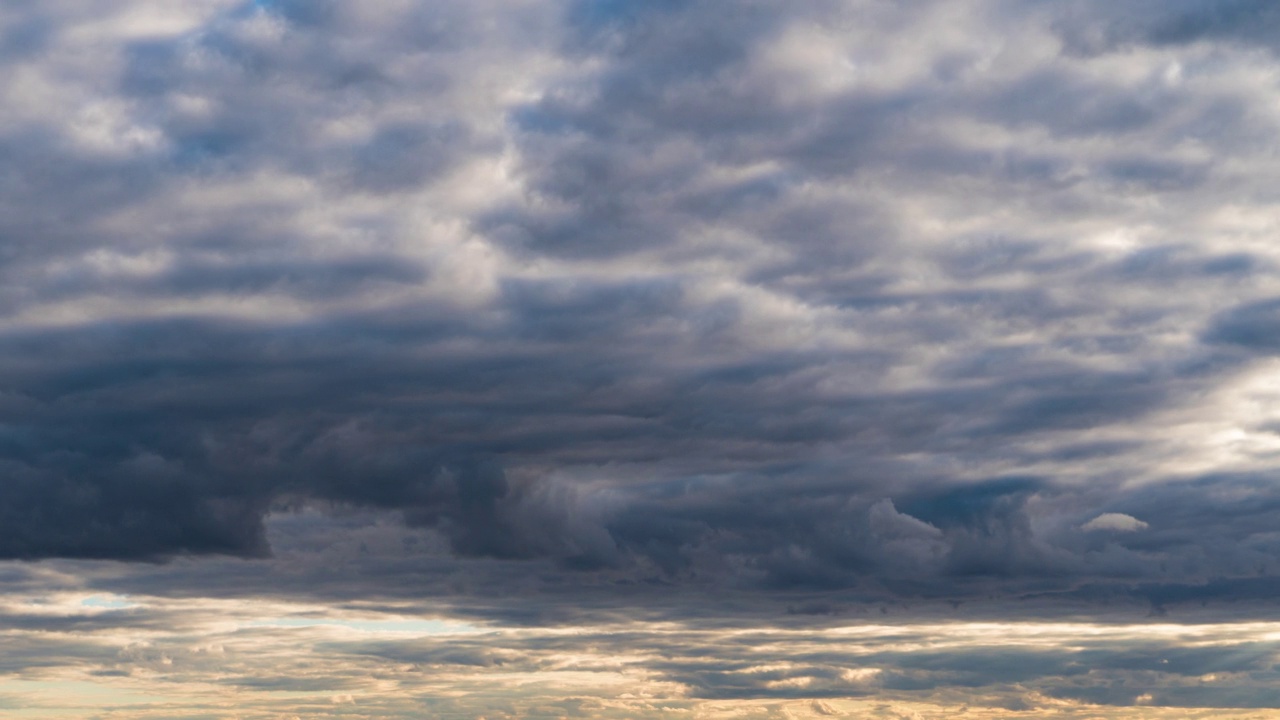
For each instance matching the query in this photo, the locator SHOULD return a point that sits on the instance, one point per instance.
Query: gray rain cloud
(939, 301)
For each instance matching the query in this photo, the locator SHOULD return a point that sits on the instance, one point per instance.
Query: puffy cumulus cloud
(486, 299)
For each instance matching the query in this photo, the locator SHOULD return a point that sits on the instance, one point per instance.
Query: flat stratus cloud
(554, 311)
(165, 657)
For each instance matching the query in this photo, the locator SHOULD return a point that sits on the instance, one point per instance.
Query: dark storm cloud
(823, 298)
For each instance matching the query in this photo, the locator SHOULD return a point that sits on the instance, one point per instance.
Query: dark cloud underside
(955, 301)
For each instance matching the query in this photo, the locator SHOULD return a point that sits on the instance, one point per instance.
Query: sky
(703, 359)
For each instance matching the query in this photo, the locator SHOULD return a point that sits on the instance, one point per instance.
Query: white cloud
(1118, 522)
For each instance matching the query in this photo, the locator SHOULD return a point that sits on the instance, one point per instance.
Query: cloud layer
(596, 358)
(961, 301)
(153, 657)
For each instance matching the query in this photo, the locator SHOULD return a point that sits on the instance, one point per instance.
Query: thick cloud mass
(947, 300)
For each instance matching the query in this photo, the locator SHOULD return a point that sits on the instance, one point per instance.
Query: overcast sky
(639, 359)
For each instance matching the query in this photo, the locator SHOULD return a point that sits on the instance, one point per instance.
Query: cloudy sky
(639, 359)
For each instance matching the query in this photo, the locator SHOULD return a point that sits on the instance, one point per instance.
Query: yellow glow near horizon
(153, 657)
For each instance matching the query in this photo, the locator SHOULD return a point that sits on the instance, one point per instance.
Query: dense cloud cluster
(947, 300)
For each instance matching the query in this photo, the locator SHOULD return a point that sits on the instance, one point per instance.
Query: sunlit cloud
(262, 657)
